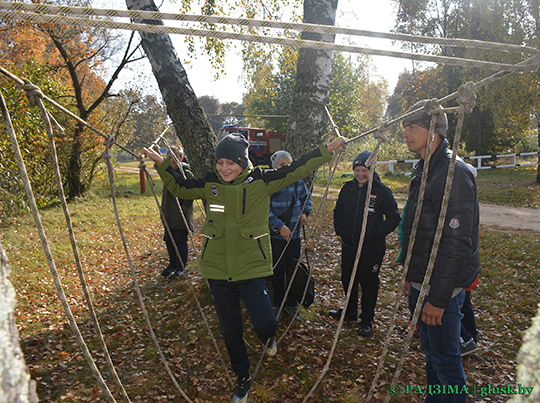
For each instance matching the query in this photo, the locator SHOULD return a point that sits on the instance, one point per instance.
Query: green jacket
(236, 239)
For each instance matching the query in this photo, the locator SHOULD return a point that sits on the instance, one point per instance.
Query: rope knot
(109, 141)
(467, 97)
(380, 132)
(142, 165)
(432, 107)
(33, 93)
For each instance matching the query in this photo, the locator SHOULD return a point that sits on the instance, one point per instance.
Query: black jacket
(458, 260)
(170, 207)
(383, 215)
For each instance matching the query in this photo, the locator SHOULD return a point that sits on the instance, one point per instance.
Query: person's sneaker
(271, 348)
(294, 312)
(365, 329)
(166, 271)
(177, 274)
(468, 347)
(336, 314)
(242, 389)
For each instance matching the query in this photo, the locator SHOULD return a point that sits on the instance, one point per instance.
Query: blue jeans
(226, 296)
(443, 351)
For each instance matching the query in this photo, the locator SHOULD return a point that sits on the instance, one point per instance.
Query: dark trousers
(180, 237)
(279, 283)
(226, 296)
(367, 276)
(468, 323)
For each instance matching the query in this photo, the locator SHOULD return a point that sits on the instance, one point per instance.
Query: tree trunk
(538, 167)
(184, 109)
(16, 385)
(73, 174)
(307, 121)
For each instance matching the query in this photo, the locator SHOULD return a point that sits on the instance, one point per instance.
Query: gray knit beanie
(234, 147)
(360, 159)
(423, 118)
(277, 156)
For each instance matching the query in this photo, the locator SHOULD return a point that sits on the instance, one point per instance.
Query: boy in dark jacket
(383, 218)
(174, 219)
(236, 256)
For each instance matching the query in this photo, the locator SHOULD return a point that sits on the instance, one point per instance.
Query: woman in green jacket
(236, 256)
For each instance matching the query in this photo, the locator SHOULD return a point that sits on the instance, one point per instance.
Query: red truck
(263, 143)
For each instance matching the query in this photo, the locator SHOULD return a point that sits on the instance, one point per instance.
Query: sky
(367, 15)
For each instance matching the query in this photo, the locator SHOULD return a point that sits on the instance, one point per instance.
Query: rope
(25, 84)
(35, 99)
(48, 254)
(161, 29)
(247, 22)
(107, 157)
(372, 160)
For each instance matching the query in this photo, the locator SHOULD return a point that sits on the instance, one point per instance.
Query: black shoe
(469, 347)
(242, 389)
(336, 314)
(177, 274)
(166, 271)
(365, 329)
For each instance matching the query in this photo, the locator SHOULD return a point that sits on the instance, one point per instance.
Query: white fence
(477, 164)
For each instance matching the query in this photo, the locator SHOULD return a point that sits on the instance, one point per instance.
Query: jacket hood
(239, 179)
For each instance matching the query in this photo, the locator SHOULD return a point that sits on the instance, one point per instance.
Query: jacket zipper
(204, 248)
(260, 247)
(244, 201)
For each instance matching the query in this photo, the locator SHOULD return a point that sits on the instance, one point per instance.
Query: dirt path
(510, 217)
(521, 218)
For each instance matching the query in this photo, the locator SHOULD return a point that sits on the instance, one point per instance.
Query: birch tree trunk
(307, 121)
(16, 386)
(184, 109)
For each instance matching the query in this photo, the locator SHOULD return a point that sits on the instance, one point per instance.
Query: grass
(514, 187)
(505, 301)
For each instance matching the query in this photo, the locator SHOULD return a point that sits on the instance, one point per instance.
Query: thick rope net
(465, 98)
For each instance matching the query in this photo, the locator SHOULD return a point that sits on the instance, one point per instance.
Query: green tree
(357, 99)
(501, 120)
(32, 138)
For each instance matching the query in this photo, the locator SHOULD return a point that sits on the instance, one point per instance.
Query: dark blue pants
(180, 236)
(226, 296)
(279, 284)
(468, 323)
(443, 351)
(367, 276)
